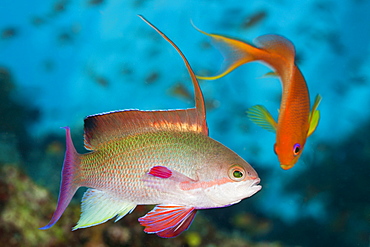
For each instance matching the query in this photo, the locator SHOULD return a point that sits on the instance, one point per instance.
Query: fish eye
(236, 173)
(296, 149)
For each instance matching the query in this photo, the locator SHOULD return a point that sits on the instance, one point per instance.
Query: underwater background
(63, 60)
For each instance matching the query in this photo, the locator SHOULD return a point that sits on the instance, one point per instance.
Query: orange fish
(165, 158)
(295, 122)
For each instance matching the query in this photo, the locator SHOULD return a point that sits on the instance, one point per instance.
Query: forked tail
(274, 50)
(235, 53)
(69, 184)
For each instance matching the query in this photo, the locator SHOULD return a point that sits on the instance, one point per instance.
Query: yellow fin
(314, 115)
(259, 115)
(97, 207)
(235, 52)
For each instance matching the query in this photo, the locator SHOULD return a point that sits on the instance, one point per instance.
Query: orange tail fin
(272, 49)
(235, 53)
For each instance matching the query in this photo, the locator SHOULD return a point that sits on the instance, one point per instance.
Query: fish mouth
(256, 182)
(255, 187)
(286, 167)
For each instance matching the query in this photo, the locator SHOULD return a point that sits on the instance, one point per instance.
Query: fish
(181, 91)
(9, 32)
(254, 19)
(152, 77)
(161, 157)
(296, 121)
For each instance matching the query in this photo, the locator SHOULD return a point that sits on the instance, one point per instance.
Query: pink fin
(104, 127)
(108, 126)
(160, 171)
(182, 226)
(168, 220)
(198, 95)
(68, 185)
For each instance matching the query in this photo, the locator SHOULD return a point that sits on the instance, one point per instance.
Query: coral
(26, 206)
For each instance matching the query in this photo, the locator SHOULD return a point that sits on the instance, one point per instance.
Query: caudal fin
(235, 53)
(68, 185)
(274, 50)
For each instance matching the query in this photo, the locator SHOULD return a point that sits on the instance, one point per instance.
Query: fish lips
(252, 189)
(255, 187)
(256, 182)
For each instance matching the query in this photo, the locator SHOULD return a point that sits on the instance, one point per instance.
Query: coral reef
(44, 48)
(26, 206)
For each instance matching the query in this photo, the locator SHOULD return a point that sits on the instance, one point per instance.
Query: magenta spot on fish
(160, 171)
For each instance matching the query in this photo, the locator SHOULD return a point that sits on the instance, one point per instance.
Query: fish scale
(182, 152)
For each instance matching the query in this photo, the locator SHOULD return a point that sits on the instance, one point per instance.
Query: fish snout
(256, 182)
(255, 187)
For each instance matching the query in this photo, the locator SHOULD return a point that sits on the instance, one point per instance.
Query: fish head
(289, 150)
(228, 180)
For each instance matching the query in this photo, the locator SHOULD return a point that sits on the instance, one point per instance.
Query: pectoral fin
(166, 180)
(160, 172)
(168, 221)
(259, 115)
(314, 115)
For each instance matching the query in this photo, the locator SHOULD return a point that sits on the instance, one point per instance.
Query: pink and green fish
(162, 158)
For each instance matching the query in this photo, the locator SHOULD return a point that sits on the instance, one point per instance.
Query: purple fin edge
(68, 185)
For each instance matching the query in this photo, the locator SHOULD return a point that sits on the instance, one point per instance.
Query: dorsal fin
(112, 125)
(276, 44)
(198, 95)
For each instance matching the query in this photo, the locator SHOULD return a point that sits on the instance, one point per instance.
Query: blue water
(71, 59)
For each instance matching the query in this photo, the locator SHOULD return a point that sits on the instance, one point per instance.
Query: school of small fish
(166, 158)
